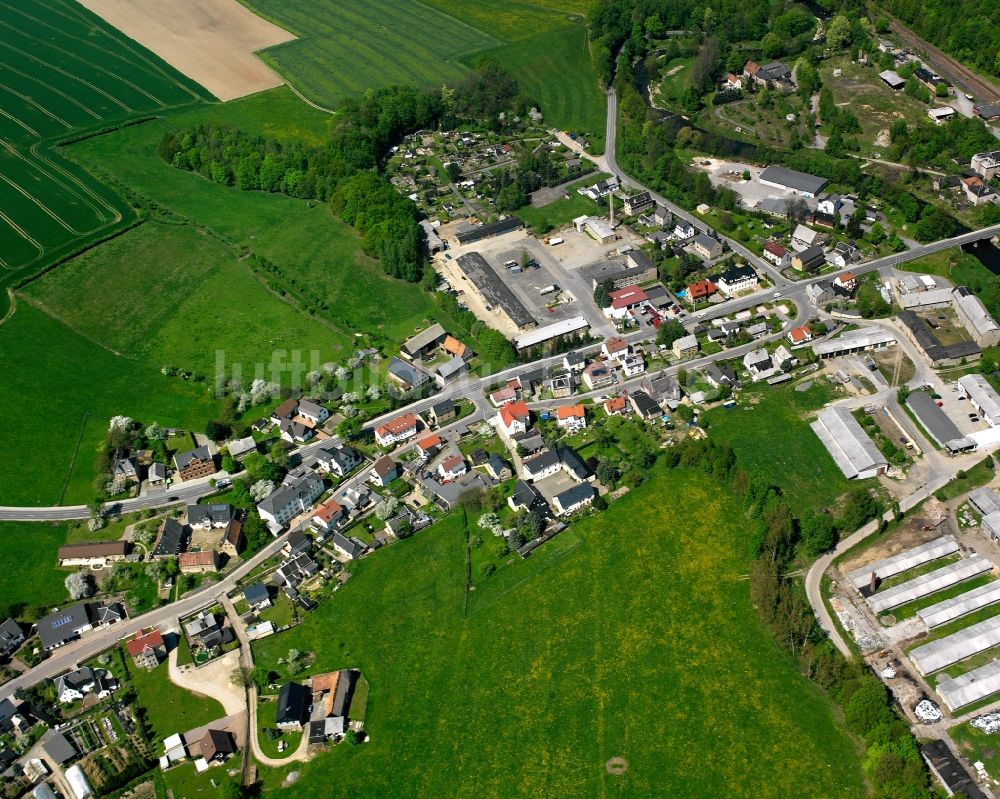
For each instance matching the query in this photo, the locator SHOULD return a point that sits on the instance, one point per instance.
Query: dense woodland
(346, 172)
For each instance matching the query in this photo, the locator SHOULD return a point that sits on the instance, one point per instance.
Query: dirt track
(963, 77)
(211, 41)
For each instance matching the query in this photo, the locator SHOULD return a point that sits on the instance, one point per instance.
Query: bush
(487, 569)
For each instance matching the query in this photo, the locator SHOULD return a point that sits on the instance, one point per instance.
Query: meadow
(36, 581)
(346, 48)
(174, 302)
(769, 430)
(318, 258)
(65, 70)
(638, 643)
(60, 389)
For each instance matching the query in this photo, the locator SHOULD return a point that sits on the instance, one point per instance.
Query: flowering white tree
(342, 373)
(330, 367)
(154, 432)
(312, 378)
(349, 411)
(261, 489)
(491, 523)
(374, 392)
(80, 585)
(350, 396)
(95, 523)
(245, 402)
(387, 508)
(120, 423)
(354, 361)
(116, 485)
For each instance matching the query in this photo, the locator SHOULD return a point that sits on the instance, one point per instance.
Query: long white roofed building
(848, 444)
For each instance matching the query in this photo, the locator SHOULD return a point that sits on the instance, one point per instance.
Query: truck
(548, 290)
(554, 241)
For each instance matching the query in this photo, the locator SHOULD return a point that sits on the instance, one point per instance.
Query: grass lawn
(265, 721)
(35, 580)
(56, 375)
(173, 304)
(978, 475)
(641, 643)
(563, 211)
(318, 258)
(977, 745)
(769, 429)
(186, 783)
(170, 708)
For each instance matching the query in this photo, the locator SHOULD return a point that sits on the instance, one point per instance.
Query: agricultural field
(639, 642)
(345, 48)
(59, 383)
(65, 71)
(173, 304)
(36, 581)
(318, 258)
(779, 444)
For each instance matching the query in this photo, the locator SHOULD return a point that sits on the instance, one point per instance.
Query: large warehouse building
(790, 180)
(848, 444)
(495, 293)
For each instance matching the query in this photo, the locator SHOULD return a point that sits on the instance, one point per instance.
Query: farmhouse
(848, 444)
(791, 180)
(423, 343)
(198, 562)
(96, 554)
(495, 293)
(573, 499)
(290, 709)
(407, 375)
(171, 540)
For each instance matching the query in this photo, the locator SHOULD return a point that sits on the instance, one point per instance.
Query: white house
(338, 460)
(513, 418)
(683, 229)
(633, 365)
(571, 418)
(573, 499)
(830, 204)
(452, 467)
(287, 501)
(759, 364)
(395, 430)
(542, 465)
(313, 411)
(738, 279)
(615, 348)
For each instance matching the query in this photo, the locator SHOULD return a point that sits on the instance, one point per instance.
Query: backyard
(603, 653)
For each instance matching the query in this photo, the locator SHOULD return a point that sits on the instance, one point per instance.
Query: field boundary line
(41, 108)
(72, 461)
(13, 305)
(40, 306)
(116, 215)
(295, 91)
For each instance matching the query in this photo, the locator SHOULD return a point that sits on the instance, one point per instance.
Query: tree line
(892, 762)
(346, 171)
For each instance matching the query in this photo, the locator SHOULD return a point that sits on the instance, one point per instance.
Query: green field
(345, 48)
(769, 430)
(65, 70)
(55, 381)
(640, 643)
(35, 581)
(319, 257)
(174, 303)
(564, 210)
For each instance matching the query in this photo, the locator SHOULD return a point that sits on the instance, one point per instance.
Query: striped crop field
(63, 71)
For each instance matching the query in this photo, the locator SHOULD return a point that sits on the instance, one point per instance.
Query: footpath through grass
(641, 644)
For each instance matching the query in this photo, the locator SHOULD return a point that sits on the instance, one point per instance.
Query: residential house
(633, 365)
(62, 626)
(574, 362)
(644, 405)
(597, 375)
(571, 418)
(241, 447)
(75, 685)
(799, 335)
(171, 540)
(285, 411)
(384, 471)
(624, 300)
(540, 466)
(810, 259)
(719, 375)
(456, 348)
(686, 346)
(616, 406)
(573, 499)
(198, 562)
(395, 430)
(988, 112)
(843, 254)
(194, 463)
(986, 165)
(452, 467)
(783, 358)
(805, 237)
(231, 539)
(288, 501)
(293, 431)
(407, 375)
(775, 74)
(205, 517)
(561, 386)
(217, 745)
(508, 393)
(96, 554)
(738, 279)
(429, 446)
(758, 331)
(513, 418)
(313, 412)
(819, 293)
(338, 460)
(663, 388)
(452, 369)
(206, 630)
(257, 596)
(637, 203)
(615, 348)
(146, 648)
(157, 474)
(683, 230)
(700, 291)
(124, 469)
(732, 83)
(846, 283)
(706, 247)
(776, 254)
(977, 191)
(941, 115)
(11, 638)
(759, 364)
(525, 497)
(290, 709)
(830, 204)
(12, 715)
(443, 411)
(351, 548)
(498, 468)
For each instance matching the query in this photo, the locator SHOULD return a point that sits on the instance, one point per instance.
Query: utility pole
(611, 207)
